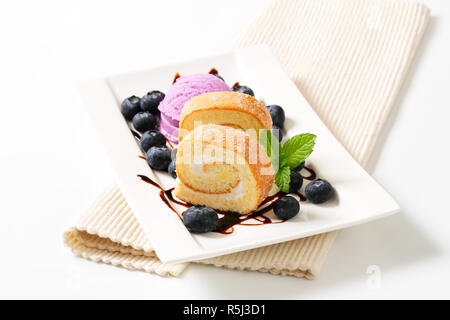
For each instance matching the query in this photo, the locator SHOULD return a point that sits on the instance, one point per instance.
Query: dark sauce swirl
(213, 71)
(136, 135)
(229, 219)
(177, 75)
(312, 174)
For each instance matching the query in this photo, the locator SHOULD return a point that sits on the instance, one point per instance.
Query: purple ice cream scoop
(185, 88)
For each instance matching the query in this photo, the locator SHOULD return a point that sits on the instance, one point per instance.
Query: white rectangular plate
(359, 198)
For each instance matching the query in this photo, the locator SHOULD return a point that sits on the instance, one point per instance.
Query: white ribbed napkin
(349, 59)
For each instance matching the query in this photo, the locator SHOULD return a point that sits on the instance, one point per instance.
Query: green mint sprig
(286, 157)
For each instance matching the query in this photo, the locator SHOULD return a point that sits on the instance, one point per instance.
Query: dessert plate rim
(166, 233)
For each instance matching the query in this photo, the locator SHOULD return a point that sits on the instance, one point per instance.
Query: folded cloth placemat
(349, 59)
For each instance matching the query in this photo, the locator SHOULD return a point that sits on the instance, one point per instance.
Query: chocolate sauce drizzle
(162, 193)
(136, 135)
(312, 174)
(229, 219)
(213, 71)
(177, 75)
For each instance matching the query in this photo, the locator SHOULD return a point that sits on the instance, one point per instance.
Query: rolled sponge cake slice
(233, 109)
(223, 168)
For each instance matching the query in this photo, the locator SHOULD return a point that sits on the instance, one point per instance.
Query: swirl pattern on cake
(232, 109)
(223, 168)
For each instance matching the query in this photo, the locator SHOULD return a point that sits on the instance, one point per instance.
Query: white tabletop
(53, 166)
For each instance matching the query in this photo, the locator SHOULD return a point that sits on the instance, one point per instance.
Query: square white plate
(359, 198)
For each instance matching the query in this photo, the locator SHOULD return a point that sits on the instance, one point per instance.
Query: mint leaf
(286, 157)
(298, 148)
(283, 178)
(272, 147)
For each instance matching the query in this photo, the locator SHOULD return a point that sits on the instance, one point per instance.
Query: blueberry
(296, 181)
(277, 115)
(152, 138)
(243, 89)
(172, 169)
(130, 106)
(286, 207)
(277, 133)
(173, 154)
(151, 100)
(300, 167)
(144, 121)
(319, 191)
(200, 219)
(158, 158)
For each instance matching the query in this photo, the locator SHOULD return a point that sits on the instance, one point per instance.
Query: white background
(52, 165)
